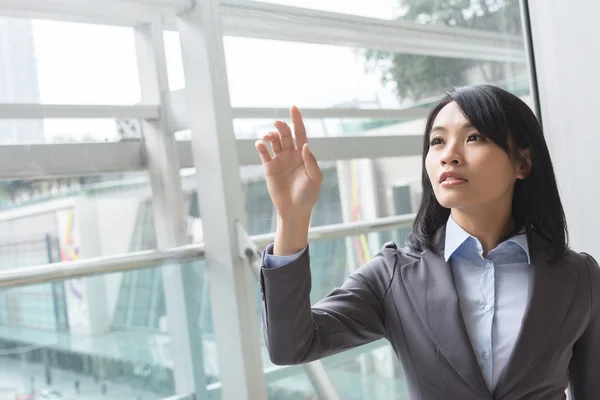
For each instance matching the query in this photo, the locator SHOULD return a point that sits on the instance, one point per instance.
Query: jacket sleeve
(584, 368)
(349, 316)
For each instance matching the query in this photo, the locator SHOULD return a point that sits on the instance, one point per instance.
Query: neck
(489, 225)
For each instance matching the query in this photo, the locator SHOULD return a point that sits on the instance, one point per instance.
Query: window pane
(67, 63)
(352, 190)
(127, 361)
(324, 76)
(83, 63)
(270, 73)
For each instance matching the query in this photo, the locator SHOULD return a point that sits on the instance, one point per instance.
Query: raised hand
(293, 175)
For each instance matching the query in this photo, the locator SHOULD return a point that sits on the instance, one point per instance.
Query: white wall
(567, 57)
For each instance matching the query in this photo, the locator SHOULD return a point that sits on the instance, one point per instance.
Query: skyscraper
(18, 79)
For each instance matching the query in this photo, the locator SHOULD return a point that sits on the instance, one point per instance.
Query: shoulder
(581, 262)
(382, 268)
(591, 267)
(398, 256)
(586, 267)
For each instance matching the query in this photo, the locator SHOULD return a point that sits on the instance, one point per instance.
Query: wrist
(291, 235)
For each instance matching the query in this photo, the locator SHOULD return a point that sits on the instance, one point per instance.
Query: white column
(232, 283)
(179, 282)
(567, 61)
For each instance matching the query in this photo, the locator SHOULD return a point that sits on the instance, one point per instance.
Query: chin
(453, 201)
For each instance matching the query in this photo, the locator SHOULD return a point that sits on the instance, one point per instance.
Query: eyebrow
(439, 128)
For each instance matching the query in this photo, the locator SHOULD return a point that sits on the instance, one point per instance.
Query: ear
(524, 164)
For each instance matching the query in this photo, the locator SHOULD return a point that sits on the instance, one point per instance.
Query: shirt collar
(456, 236)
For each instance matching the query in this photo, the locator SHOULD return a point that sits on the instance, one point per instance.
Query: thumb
(312, 168)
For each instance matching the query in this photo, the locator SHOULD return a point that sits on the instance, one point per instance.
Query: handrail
(187, 396)
(99, 265)
(39, 111)
(150, 258)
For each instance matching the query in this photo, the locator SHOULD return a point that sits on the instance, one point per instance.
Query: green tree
(420, 76)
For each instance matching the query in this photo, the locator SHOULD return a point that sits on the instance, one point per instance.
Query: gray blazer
(409, 298)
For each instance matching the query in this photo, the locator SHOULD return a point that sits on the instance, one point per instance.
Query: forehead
(450, 115)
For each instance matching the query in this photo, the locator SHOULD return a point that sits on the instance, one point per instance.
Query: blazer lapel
(430, 285)
(553, 289)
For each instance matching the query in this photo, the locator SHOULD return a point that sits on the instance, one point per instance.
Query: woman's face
(466, 169)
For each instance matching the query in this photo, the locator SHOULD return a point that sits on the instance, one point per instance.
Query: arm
(584, 368)
(349, 316)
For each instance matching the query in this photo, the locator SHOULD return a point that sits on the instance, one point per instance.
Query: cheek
(430, 165)
(496, 170)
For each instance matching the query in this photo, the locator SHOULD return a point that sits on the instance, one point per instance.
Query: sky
(91, 64)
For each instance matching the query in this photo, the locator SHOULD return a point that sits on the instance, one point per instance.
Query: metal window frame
(247, 18)
(160, 151)
(235, 318)
(44, 161)
(252, 19)
(40, 111)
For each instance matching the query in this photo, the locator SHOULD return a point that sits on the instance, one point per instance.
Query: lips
(451, 176)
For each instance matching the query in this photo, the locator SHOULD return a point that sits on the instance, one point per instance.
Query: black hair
(500, 116)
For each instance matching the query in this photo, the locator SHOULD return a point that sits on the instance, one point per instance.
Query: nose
(451, 156)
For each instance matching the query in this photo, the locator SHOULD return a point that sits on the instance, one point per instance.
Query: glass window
(260, 75)
(352, 190)
(134, 361)
(82, 63)
(326, 76)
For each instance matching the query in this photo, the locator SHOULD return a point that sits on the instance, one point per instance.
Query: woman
(486, 301)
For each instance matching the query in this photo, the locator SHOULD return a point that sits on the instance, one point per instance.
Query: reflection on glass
(352, 190)
(90, 337)
(108, 331)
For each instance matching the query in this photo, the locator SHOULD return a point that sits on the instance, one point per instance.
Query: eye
(435, 140)
(475, 137)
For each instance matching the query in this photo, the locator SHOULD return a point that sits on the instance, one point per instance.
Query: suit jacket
(409, 298)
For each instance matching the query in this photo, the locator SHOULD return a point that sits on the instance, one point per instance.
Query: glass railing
(99, 327)
(111, 339)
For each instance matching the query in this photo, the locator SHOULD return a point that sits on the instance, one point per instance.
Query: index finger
(299, 129)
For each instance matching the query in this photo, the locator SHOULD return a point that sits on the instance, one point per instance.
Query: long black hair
(500, 115)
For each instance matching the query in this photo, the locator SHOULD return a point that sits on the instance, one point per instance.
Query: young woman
(485, 301)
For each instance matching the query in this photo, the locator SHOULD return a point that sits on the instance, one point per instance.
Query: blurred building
(18, 79)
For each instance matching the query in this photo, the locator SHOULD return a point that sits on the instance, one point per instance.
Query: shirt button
(487, 308)
(488, 264)
(485, 355)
